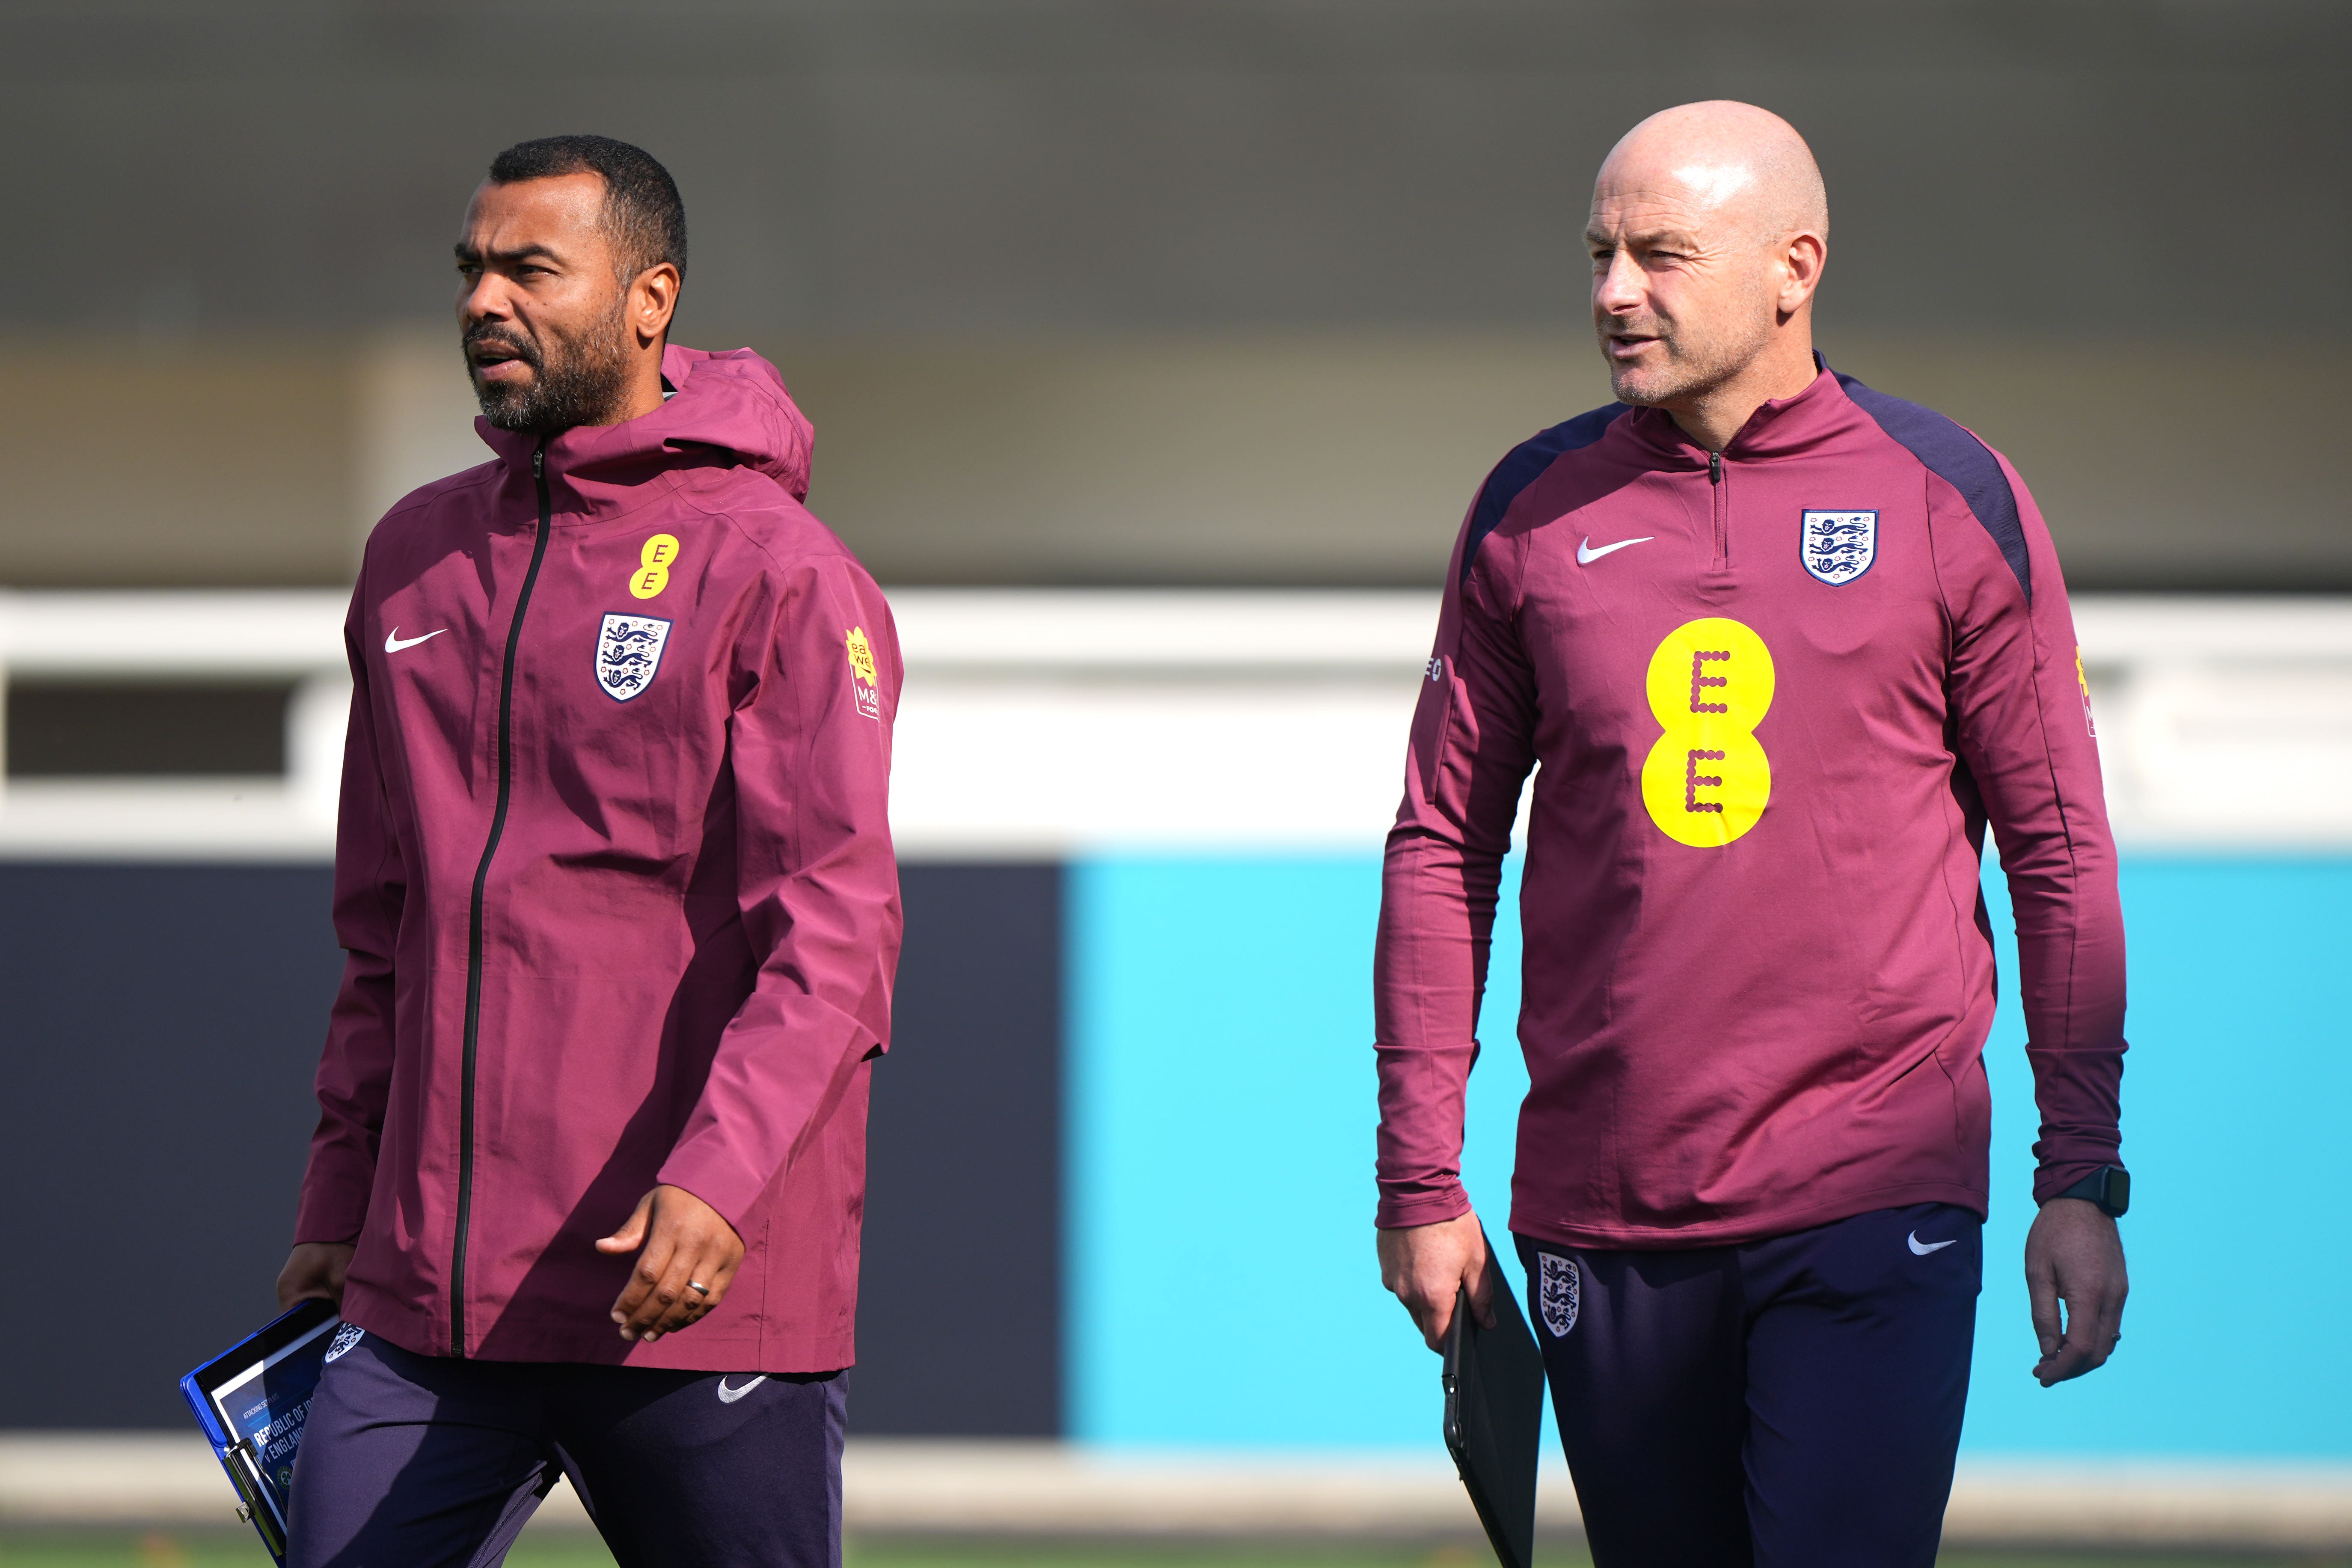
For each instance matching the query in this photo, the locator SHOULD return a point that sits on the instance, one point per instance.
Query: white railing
(198, 637)
(1046, 721)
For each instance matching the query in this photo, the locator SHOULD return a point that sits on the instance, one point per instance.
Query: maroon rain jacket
(613, 872)
(1771, 698)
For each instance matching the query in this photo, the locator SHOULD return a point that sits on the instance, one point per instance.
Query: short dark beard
(573, 381)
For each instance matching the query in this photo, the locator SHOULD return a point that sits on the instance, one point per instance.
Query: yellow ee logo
(652, 574)
(1706, 781)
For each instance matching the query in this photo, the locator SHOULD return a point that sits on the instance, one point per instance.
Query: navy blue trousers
(411, 1461)
(1789, 1403)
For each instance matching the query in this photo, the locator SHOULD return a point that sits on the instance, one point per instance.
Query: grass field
(225, 1550)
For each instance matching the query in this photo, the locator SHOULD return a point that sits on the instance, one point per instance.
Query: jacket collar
(724, 410)
(1784, 427)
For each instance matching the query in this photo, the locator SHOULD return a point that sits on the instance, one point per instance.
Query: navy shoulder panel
(1962, 461)
(1525, 464)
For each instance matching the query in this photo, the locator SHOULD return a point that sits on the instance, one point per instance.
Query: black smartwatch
(2109, 1186)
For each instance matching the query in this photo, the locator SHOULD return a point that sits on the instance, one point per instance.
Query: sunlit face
(1684, 291)
(541, 308)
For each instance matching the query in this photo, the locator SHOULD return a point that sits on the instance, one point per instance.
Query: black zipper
(1715, 482)
(474, 924)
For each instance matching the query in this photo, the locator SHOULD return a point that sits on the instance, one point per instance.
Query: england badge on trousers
(1556, 1292)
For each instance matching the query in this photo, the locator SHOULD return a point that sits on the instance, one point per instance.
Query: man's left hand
(2073, 1254)
(681, 1243)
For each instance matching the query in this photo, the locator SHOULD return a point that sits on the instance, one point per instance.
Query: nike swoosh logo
(729, 1395)
(395, 642)
(1586, 555)
(1921, 1248)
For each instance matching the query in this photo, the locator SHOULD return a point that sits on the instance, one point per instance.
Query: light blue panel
(1220, 1102)
(1221, 1281)
(2235, 1092)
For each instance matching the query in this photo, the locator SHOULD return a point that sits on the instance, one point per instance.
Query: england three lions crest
(1838, 546)
(1556, 1292)
(628, 651)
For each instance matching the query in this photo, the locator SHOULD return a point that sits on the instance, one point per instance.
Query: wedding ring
(697, 1285)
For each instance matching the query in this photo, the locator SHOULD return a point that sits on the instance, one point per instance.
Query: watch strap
(2109, 1187)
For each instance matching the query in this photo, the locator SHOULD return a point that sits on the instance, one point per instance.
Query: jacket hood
(726, 409)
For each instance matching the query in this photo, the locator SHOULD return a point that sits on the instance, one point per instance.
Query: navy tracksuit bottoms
(413, 1461)
(1789, 1402)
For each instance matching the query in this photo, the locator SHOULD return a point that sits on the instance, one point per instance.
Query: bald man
(1784, 647)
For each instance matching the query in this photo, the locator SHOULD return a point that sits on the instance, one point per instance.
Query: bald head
(1738, 163)
(1709, 229)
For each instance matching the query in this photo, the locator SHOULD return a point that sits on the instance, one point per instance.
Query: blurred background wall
(1240, 292)
(1149, 299)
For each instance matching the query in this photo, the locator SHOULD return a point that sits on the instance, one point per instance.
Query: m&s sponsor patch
(862, 684)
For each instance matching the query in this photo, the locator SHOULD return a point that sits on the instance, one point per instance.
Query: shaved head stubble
(1709, 226)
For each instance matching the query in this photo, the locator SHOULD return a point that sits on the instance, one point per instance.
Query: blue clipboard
(252, 1400)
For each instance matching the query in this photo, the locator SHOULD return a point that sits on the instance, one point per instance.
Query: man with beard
(615, 882)
(1784, 647)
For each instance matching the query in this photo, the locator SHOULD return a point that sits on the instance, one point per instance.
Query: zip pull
(1715, 467)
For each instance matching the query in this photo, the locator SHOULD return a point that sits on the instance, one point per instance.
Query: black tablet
(1494, 1417)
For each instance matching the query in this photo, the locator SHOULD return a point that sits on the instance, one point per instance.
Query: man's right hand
(1426, 1266)
(314, 1271)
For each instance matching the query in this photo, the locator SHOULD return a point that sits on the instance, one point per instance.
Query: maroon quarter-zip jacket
(1771, 699)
